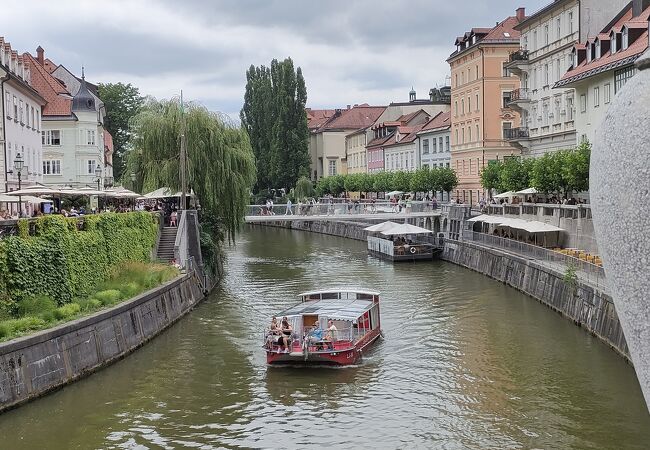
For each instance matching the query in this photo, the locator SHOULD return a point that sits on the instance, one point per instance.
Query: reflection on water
(465, 363)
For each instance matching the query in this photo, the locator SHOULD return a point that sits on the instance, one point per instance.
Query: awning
(528, 191)
(531, 226)
(35, 190)
(405, 228)
(384, 226)
(505, 195)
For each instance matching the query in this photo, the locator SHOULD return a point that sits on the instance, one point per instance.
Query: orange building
(481, 121)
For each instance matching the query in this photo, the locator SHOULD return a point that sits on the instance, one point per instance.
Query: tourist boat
(397, 242)
(355, 315)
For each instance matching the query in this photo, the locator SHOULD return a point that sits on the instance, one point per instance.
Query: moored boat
(328, 327)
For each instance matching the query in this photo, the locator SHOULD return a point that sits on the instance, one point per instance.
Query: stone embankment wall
(33, 365)
(586, 306)
(347, 229)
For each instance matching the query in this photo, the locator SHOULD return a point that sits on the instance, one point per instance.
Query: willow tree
(220, 162)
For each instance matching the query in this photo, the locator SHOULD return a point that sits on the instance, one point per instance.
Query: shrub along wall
(63, 262)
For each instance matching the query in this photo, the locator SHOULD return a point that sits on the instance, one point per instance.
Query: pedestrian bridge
(394, 216)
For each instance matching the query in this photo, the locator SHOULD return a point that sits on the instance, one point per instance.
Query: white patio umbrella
(384, 226)
(405, 228)
(505, 195)
(394, 193)
(35, 190)
(528, 191)
(32, 199)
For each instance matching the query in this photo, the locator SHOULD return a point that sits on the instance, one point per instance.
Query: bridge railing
(338, 208)
(589, 272)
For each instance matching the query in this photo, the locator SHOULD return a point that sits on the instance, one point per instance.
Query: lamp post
(98, 173)
(133, 180)
(18, 166)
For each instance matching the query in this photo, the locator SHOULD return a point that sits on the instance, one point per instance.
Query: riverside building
(481, 116)
(547, 114)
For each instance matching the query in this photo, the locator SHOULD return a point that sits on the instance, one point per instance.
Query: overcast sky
(351, 51)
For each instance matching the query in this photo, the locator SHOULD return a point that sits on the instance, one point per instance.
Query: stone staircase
(166, 244)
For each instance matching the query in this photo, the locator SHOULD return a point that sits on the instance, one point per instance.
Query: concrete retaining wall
(36, 364)
(586, 306)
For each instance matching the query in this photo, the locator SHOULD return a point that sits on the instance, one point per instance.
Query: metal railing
(340, 208)
(519, 94)
(585, 271)
(347, 335)
(516, 133)
(519, 55)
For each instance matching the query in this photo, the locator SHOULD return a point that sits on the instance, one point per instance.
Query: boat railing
(343, 339)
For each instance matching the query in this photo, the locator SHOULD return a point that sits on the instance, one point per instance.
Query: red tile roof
(609, 61)
(503, 33)
(49, 65)
(317, 117)
(354, 118)
(407, 135)
(441, 120)
(59, 101)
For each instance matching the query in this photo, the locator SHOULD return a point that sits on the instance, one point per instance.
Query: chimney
(40, 55)
(349, 106)
(521, 14)
(638, 6)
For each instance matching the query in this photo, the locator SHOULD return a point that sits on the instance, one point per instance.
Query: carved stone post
(620, 200)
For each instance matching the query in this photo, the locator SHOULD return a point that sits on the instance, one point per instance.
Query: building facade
(21, 121)
(434, 142)
(355, 151)
(547, 114)
(481, 117)
(604, 63)
(72, 129)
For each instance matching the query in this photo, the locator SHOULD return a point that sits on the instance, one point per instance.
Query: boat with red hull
(329, 327)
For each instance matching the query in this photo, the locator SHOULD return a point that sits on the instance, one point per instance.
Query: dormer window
(588, 52)
(597, 49)
(625, 38)
(612, 39)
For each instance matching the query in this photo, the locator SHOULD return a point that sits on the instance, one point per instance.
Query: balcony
(519, 98)
(517, 136)
(518, 62)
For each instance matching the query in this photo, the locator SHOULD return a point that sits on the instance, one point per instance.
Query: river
(466, 362)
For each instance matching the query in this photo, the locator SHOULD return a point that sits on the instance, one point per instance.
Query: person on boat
(275, 332)
(330, 335)
(287, 331)
(315, 336)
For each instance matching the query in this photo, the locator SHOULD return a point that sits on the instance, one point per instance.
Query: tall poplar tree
(274, 117)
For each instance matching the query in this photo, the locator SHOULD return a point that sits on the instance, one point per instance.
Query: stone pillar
(620, 195)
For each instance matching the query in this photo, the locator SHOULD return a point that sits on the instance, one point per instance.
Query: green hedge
(63, 262)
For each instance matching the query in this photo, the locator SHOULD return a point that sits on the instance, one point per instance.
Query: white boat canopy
(405, 228)
(338, 309)
(381, 226)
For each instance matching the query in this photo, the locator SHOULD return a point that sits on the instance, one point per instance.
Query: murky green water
(466, 363)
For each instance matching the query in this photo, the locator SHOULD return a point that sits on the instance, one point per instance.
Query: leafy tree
(274, 117)
(304, 189)
(420, 181)
(352, 182)
(447, 179)
(366, 181)
(122, 102)
(383, 182)
(323, 186)
(401, 181)
(434, 181)
(546, 175)
(336, 184)
(575, 168)
(220, 162)
(490, 176)
(514, 174)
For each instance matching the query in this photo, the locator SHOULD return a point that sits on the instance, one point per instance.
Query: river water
(466, 362)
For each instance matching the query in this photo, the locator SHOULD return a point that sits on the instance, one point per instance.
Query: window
(570, 22)
(476, 68)
(425, 146)
(583, 103)
(51, 137)
(440, 149)
(469, 134)
(462, 106)
(8, 104)
(456, 108)
(469, 105)
(52, 167)
(90, 166)
(534, 40)
(21, 112)
(506, 96)
(557, 70)
(559, 28)
(477, 102)
(463, 134)
(331, 168)
(621, 77)
(15, 109)
(625, 38)
(457, 136)
(545, 34)
(596, 97)
(446, 143)
(569, 109)
(598, 49)
(545, 74)
(477, 133)
(505, 127)
(606, 93)
(504, 70)
(90, 137)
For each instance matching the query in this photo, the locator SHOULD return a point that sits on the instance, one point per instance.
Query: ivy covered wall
(63, 262)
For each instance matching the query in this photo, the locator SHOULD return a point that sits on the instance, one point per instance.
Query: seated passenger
(330, 336)
(287, 331)
(274, 333)
(315, 336)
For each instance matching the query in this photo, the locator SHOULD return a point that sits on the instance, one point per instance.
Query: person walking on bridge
(288, 212)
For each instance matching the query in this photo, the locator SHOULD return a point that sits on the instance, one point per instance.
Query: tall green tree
(448, 180)
(220, 162)
(304, 189)
(490, 176)
(575, 168)
(122, 102)
(274, 117)
(420, 180)
(515, 174)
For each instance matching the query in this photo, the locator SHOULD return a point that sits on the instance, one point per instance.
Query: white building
(434, 148)
(400, 153)
(72, 128)
(603, 64)
(21, 121)
(547, 114)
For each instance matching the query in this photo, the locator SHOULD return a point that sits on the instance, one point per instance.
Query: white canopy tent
(527, 191)
(505, 195)
(394, 193)
(384, 226)
(532, 227)
(405, 228)
(35, 190)
(165, 192)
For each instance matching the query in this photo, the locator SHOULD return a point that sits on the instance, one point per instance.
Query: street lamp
(18, 166)
(98, 174)
(132, 180)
